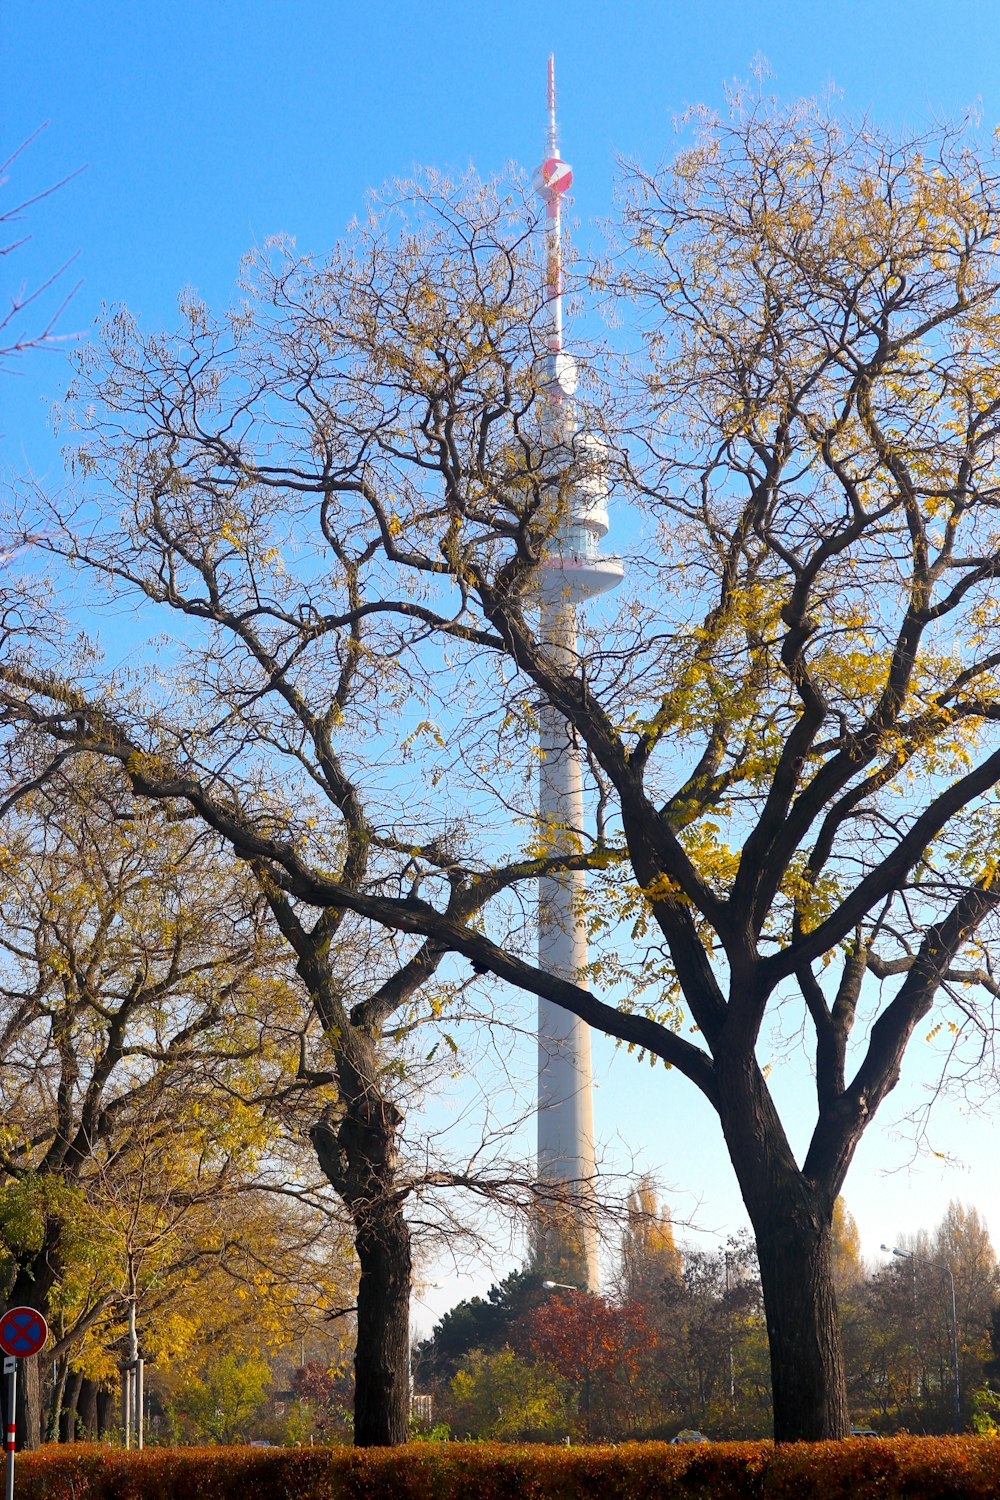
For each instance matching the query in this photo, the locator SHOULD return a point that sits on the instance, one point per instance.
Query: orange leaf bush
(959, 1468)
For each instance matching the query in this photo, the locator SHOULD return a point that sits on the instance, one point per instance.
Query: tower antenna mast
(552, 179)
(559, 183)
(573, 569)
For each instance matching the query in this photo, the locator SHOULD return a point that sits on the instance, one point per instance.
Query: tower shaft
(566, 1234)
(575, 462)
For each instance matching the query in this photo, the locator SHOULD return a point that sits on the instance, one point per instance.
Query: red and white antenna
(572, 570)
(573, 564)
(553, 142)
(553, 178)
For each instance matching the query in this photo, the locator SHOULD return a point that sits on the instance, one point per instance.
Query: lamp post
(938, 1266)
(729, 1336)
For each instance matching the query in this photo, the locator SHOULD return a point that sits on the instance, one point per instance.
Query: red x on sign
(23, 1331)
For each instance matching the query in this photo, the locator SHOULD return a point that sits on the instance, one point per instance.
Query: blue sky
(207, 125)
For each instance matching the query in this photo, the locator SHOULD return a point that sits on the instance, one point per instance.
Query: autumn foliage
(928, 1468)
(595, 1344)
(587, 1335)
(342, 494)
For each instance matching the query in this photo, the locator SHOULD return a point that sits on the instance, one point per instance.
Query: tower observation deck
(573, 571)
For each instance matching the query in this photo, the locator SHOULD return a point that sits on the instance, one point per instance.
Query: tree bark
(792, 1218)
(57, 1397)
(381, 1363)
(359, 1159)
(29, 1404)
(107, 1413)
(808, 1379)
(86, 1406)
(68, 1416)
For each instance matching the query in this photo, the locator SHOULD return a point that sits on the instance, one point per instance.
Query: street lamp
(938, 1266)
(729, 1335)
(560, 1286)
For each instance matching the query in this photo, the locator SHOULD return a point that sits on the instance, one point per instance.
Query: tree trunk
(28, 1413)
(68, 1420)
(107, 1413)
(793, 1226)
(803, 1327)
(359, 1159)
(381, 1361)
(29, 1404)
(86, 1406)
(32, 1287)
(57, 1397)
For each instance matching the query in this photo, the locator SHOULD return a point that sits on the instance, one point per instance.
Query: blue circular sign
(23, 1331)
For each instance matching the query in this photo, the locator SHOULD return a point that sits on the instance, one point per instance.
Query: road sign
(23, 1331)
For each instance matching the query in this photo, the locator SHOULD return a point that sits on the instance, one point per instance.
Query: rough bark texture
(807, 1364)
(70, 1408)
(86, 1407)
(107, 1416)
(359, 1158)
(29, 1404)
(792, 1221)
(357, 1146)
(381, 1400)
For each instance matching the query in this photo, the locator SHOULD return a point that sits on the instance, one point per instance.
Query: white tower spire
(572, 571)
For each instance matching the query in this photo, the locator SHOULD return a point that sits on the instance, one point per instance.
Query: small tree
(597, 1346)
(479, 1323)
(222, 1405)
(149, 1033)
(502, 1396)
(910, 1327)
(649, 1256)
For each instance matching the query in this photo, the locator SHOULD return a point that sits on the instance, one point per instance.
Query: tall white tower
(572, 572)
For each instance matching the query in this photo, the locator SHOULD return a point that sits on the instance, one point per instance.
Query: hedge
(957, 1468)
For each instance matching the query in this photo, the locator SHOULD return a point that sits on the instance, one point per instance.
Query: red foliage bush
(585, 1335)
(962, 1468)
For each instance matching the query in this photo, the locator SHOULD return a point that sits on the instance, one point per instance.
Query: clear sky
(207, 125)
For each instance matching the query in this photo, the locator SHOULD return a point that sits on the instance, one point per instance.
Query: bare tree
(341, 491)
(31, 312)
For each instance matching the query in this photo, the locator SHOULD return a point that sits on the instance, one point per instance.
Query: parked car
(690, 1435)
(864, 1432)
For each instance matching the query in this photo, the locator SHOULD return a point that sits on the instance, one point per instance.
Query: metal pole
(133, 1354)
(126, 1402)
(729, 1332)
(915, 1331)
(10, 1370)
(954, 1352)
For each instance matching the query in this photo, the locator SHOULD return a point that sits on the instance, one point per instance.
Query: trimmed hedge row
(957, 1468)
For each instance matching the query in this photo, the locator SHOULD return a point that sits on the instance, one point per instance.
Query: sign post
(10, 1370)
(23, 1332)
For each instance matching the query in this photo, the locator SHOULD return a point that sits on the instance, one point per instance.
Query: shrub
(959, 1468)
